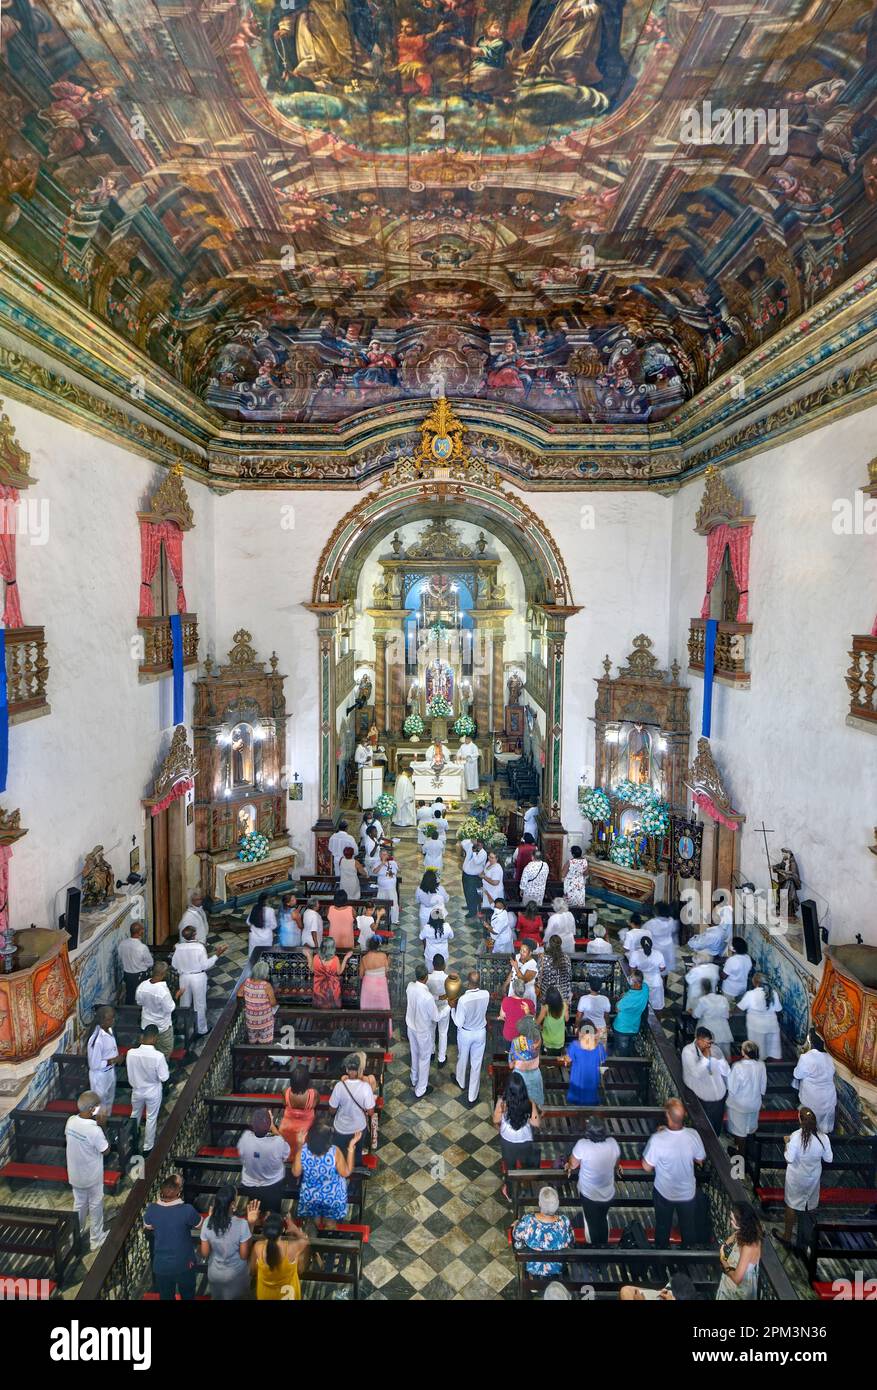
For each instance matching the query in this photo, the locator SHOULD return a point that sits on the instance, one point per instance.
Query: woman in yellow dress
(277, 1259)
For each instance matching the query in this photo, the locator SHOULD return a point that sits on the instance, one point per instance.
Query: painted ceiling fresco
(303, 209)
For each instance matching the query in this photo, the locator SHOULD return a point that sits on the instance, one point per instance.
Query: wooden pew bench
(604, 1272)
(623, 1076)
(38, 1244)
(251, 1060)
(204, 1174)
(849, 1181)
(845, 1249)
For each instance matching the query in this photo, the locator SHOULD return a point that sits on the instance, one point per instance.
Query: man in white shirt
(86, 1145)
(671, 1154)
(135, 959)
(363, 754)
(191, 962)
(596, 1157)
(195, 916)
(147, 1070)
(593, 1007)
(470, 1017)
(421, 1016)
(103, 1057)
(157, 1007)
(474, 860)
(705, 1072)
(312, 925)
(435, 983)
(338, 843)
(524, 968)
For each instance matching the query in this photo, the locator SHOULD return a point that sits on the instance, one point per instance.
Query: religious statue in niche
(372, 736)
(515, 688)
(363, 691)
(439, 681)
(787, 879)
(97, 881)
(246, 820)
(639, 744)
(242, 768)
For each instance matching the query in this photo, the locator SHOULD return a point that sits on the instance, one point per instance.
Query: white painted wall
(78, 774)
(783, 745)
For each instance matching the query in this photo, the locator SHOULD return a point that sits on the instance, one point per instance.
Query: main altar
(430, 781)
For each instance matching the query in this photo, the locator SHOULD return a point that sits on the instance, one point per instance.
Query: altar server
(421, 1016)
(86, 1143)
(195, 916)
(135, 959)
(762, 1005)
(387, 879)
(502, 941)
(814, 1080)
(436, 981)
(103, 1057)
(338, 843)
(470, 1018)
(436, 937)
(469, 754)
(191, 962)
(147, 1069)
(746, 1087)
(403, 791)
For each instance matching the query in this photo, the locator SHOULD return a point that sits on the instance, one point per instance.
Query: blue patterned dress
(532, 1234)
(322, 1190)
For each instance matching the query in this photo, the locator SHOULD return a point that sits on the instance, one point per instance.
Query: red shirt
(523, 855)
(529, 927)
(514, 1010)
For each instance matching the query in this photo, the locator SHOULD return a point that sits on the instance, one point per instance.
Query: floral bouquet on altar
(655, 818)
(633, 793)
(385, 806)
(623, 852)
(595, 804)
(413, 726)
(254, 847)
(464, 725)
(439, 708)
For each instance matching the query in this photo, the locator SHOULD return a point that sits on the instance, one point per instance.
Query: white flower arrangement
(439, 707)
(254, 847)
(595, 804)
(413, 725)
(385, 806)
(623, 852)
(464, 725)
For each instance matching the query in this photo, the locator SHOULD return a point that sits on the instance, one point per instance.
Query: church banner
(686, 839)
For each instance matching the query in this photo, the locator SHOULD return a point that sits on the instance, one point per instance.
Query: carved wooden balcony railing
(344, 676)
(27, 672)
(158, 644)
(861, 679)
(537, 680)
(732, 650)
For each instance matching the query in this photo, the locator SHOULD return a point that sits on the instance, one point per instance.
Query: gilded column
(328, 763)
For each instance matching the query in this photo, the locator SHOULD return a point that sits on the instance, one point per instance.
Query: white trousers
(150, 1101)
(470, 1053)
(194, 996)
(421, 1050)
(88, 1203)
(103, 1083)
(441, 1037)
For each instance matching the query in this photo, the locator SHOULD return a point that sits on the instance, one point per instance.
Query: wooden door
(160, 878)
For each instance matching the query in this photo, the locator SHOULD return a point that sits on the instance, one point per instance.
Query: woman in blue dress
(585, 1059)
(323, 1169)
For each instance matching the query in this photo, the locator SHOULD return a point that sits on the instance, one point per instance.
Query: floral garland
(655, 818)
(413, 725)
(623, 852)
(254, 847)
(595, 804)
(385, 806)
(464, 725)
(439, 707)
(634, 793)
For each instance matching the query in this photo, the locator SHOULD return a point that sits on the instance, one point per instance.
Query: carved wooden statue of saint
(788, 879)
(97, 880)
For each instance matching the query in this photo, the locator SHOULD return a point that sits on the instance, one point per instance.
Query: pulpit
(37, 996)
(845, 1009)
(370, 786)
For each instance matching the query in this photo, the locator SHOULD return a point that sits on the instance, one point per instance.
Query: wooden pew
(203, 1175)
(845, 1245)
(604, 1272)
(323, 1062)
(624, 1075)
(230, 1115)
(38, 1244)
(37, 1148)
(849, 1181)
(367, 1027)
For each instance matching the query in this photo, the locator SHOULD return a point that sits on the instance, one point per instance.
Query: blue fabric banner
(4, 714)
(179, 689)
(709, 666)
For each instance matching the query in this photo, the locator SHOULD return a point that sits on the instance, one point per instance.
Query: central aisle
(438, 1221)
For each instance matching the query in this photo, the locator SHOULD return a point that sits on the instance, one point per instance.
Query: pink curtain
(703, 801)
(173, 546)
(5, 856)
(150, 549)
(738, 549)
(716, 541)
(12, 603)
(177, 790)
(151, 537)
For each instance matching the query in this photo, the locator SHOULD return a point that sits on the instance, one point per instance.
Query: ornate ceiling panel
(309, 208)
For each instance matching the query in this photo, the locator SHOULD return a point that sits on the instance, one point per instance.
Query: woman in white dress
(806, 1151)
(349, 871)
(436, 937)
(403, 791)
(762, 1005)
(491, 882)
(429, 896)
(371, 852)
(502, 941)
(650, 961)
(704, 968)
(736, 969)
(387, 879)
(469, 754)
(813, 1078)
(662, 928)
(561, 923)
(712, 1011)
(433, 851)
(575, 877)
(262, 922)
(534, 880)
(747, 1084)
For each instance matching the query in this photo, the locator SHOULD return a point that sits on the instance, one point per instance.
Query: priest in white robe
(363, 755)
(437, 752)
(195, 916)
(469, 754)
(403, 791)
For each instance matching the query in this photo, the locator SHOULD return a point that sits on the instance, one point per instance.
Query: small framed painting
(190, 812)
(134, 860)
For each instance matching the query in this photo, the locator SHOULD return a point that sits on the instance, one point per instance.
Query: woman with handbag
(353, 1103)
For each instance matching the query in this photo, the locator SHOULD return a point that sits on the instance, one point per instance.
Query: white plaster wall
(784, 747)
(78, 774)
